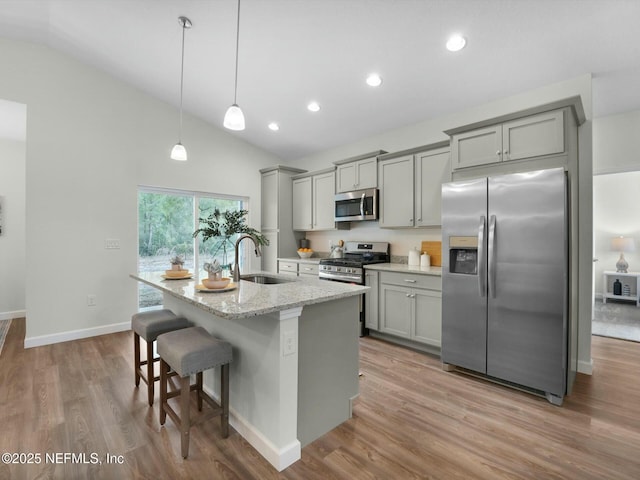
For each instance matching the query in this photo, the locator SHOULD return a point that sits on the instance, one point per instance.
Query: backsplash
(400, 240)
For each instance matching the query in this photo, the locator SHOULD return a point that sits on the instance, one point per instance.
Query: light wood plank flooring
(412, 421)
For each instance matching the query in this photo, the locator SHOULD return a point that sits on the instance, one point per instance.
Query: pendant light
(234, 118)
(179, 152)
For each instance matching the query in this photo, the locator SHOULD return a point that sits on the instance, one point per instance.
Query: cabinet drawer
(411, 280)
(288, 267)
(308, 269)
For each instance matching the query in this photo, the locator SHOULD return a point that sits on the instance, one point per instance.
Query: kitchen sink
(263, 279)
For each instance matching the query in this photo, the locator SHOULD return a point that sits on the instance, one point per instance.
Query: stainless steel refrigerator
(505, 279)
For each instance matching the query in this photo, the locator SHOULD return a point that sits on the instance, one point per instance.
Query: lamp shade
(623, 244)
(234, 118)
(178, 152)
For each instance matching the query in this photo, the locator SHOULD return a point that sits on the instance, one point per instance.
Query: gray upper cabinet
(313, 201)
(410, 186)
(357, 173)
(529, 137)
(396, 192)
(432, 169)
(324, 192)
(276, 215)
(302, 204)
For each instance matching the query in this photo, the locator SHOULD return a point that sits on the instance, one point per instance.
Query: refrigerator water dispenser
(463, 255)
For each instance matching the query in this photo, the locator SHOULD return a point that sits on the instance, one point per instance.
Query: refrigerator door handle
(482, 261)
(492, 256)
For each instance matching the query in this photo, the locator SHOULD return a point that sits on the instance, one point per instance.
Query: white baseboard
(75, 334)
(279, 458)
(12, 315)
(585, 367)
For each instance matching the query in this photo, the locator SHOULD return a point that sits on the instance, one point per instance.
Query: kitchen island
(294, 373)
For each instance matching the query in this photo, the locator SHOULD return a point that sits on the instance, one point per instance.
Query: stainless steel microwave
(357, 205)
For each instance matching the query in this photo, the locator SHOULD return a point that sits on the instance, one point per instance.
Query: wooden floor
(412, 420)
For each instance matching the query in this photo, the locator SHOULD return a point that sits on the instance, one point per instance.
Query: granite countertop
(253, 299)
(404, 268)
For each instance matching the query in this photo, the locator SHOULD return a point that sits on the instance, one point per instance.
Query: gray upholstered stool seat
(191, 351)
(149, 325)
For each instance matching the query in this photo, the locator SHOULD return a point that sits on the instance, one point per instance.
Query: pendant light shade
(234, 118)
(178, 152)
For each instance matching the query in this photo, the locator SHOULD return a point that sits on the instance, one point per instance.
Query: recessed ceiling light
(313, 107)
(274, 126)
(456, 42)
(374, 80)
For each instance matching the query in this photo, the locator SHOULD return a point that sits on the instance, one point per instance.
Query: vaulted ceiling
(295, 51)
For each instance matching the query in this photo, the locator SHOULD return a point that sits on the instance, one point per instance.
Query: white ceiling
(294, 51)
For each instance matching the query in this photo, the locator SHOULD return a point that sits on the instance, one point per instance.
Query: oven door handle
(362, 205)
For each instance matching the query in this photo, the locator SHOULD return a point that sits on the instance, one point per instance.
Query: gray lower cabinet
(411, 307)
(298, 268)
(371, 300)
(287, 267)
(309, 269)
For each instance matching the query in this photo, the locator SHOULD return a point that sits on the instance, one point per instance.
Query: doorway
(616, 213)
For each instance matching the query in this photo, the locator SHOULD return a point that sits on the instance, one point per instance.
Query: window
(166, 222)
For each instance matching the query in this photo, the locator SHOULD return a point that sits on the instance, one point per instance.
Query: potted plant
(177, 261)
(222, 227)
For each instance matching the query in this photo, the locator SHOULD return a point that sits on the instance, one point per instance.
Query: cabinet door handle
(498, 152)
(409, 281)
(506, 152)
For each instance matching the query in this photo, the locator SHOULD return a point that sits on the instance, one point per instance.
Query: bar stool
(188, 351)
(149, 325)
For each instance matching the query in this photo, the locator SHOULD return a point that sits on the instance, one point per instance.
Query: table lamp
(622, 244)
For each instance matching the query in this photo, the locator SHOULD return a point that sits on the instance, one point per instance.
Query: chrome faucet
(236, 266)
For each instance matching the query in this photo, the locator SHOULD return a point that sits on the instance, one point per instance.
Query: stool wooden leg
(136, 356)
(224, 400)
(199, 390)
(164, 369)
(185, 421)
(150, 374)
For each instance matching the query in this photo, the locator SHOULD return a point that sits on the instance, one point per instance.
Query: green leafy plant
(223, 226)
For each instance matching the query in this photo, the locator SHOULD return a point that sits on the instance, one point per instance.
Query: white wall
(91, 140)
(12, 239)
(616, 143)
(431, 131)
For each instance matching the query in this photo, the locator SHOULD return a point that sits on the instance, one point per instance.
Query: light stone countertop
(253, 299)
(404, 268)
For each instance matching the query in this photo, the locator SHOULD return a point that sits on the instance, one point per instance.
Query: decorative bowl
(176, 273)
(305, 254)
(213, 284)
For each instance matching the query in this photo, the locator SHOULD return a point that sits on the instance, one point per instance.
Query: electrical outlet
(91, 300)
(289, 343)
(112, 243)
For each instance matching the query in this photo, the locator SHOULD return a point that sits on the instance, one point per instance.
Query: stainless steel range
(350, 268)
